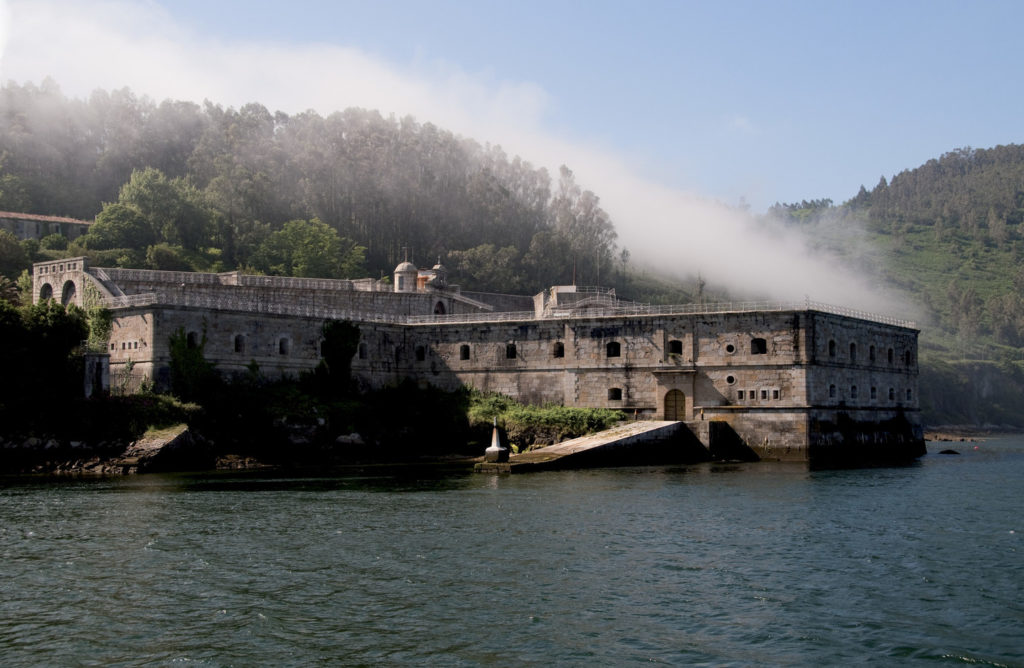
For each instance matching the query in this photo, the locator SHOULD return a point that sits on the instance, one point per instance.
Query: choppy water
(714, 564)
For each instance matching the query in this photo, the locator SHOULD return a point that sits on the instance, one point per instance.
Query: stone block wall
(757, 375)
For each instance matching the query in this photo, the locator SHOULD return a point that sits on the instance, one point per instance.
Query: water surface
(715, 564)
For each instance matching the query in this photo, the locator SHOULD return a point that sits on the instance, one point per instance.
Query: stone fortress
(778, 381)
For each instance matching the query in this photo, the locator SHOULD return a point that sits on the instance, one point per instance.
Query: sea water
(721, 564)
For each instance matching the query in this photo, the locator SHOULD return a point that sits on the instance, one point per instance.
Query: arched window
(68, 294)
(284, 346)
(464, 352)
(558, 349)
(239, 343)
(439, 308)
(853, 391)
(907, 358)
(831, 391)
(892, 394)
(362, 350)
(871, 354)
(421, 353)
(510, 351)
(614, 394)
(891, 354)
(192, 340)
(675, 347)
(758, 347)
(853, 352)
(910, 394)
(613, 349)
(874, 393)
(831, 348)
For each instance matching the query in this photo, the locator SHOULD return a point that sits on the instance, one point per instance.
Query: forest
(178, 185)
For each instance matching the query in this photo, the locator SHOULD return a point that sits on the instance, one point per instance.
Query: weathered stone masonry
(782, 381)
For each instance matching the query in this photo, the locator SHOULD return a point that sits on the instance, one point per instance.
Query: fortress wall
(727, 338)
(779, 434)
(853, 372)
(761, 377)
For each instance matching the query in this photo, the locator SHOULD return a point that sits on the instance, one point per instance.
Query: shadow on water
(386, 478)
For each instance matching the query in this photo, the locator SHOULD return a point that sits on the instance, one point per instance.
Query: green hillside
(948, 235)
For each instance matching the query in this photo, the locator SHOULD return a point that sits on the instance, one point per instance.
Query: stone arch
(67, 294)
(46, 292)
(675, 405)
(439, 308)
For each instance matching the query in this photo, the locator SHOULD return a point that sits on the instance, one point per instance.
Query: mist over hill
(178, 185)
(213, 186)
(949, 235)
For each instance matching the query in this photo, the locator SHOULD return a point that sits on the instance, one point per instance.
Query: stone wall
(774, 382)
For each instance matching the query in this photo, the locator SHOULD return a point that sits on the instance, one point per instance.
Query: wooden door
(675, 405)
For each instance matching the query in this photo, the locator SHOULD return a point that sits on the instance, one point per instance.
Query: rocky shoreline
(175, 449)
(178, 450)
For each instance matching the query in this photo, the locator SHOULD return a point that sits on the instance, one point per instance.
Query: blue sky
(762, 100)
(666, 110)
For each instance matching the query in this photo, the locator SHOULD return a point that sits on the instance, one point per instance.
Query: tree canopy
(217, 188)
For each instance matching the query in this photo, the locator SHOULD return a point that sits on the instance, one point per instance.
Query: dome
(405, 267)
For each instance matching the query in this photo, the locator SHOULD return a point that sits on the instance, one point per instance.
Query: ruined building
(788, 381)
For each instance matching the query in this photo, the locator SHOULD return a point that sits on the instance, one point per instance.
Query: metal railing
(237, 278)
(311, 310)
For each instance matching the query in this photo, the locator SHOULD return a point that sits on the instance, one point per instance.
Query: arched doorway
(46, 292)
(439, 308)
(68, 294)
(675, 405)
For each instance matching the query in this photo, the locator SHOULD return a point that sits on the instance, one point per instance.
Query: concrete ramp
(628, 444)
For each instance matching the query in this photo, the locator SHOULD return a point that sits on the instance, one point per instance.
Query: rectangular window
(764, 394)
(775, 394)
(739, 394)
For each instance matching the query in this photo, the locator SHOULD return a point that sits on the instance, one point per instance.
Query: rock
(949, 452)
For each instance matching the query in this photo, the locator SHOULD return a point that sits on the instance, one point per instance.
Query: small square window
(739, 394)
(764, 394)
(775, 394)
